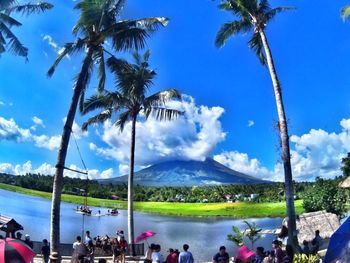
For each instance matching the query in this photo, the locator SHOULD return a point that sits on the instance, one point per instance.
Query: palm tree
(252, 232)
(345, 12)
(97, 24)
(253, 16)
(133, 81)
(7, 38)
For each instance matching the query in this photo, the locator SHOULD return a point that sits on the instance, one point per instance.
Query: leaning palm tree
(96, 25)
(8, 40)
(133, 81)
(253, 16)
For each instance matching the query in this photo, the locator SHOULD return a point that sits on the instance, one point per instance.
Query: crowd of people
(84, 251)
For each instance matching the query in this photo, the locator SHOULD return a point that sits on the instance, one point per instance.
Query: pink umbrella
(144, 236)
(14, 250)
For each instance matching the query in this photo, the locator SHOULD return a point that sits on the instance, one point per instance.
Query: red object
(14, 250)
(244, 254)
(144, 236)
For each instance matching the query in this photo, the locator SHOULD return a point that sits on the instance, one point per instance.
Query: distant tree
(254, 16)
(133, 82)
(8, 40)
(325, 195)
(346, 165)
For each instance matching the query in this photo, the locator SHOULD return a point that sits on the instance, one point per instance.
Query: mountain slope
(187, 173)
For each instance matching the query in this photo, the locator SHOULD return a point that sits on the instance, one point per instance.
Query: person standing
(222, 256)
(186, 256)
(87, 237)
(156, 256)
(172, 257)
(318, 239)
(79, 250)
(29, 243)
(45, 251)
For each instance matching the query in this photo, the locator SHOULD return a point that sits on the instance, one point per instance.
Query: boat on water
(84, 210)
(113, 212)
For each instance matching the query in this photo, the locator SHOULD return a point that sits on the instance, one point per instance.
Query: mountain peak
(187, 173)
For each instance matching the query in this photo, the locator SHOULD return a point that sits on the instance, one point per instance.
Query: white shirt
(79, 248)
(157, 257)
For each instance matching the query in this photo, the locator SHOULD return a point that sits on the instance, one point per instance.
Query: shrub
(325, 195)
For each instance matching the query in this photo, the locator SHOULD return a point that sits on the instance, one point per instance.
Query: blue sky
(229, 102)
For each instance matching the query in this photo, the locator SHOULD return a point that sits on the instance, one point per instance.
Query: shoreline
(238, 210)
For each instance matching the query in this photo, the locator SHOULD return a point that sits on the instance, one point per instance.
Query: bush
(325, 195)
(303, 258)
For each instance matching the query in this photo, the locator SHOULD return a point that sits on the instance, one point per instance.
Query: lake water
(204, 235)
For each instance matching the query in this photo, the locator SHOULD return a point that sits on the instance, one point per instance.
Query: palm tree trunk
(62, 153)
(284, 137)
(131, 188)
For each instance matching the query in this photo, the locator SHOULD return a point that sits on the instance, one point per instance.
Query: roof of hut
(8, 222)
(345, 183)
(308, 223)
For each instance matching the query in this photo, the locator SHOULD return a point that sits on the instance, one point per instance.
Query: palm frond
(119, 6)
(68, 49)
(122, 119)
(99, 118)
(274, 11)
(4, 4)
(28, 9)
(230, 29)
(345, 12)
(8, 20)
(162, 113)
(162, 97)
(15, 46)
(100, 60)
(255, 43)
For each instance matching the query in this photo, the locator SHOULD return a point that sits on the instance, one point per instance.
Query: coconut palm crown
(345, 12)
(97, 25)
(253, 16)
(8, 40)
(133, 81)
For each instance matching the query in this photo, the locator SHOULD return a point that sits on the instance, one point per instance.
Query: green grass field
(235, 210)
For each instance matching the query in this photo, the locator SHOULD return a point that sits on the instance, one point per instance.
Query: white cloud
(2, 103)
(316, 153)
(37, 122)
(190, 137)
(58, 50)
(9, 130)
(123, 169)
(250, 123)
(48, 169)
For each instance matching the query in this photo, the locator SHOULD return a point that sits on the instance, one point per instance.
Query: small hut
(308, 223)
(345, 183)
(9, 226)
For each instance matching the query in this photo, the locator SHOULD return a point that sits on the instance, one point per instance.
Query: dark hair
(260, 250)
(290, 251)
(79, 238)
(88, 232)
(276, 242)
(305, 243)
(171, 250)
(44, 240)
(284, 232)
(222, 247)
(186, 247)
(152, 246)
(317, 232)
(102, 260)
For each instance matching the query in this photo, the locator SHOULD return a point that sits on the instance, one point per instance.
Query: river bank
(232, 210)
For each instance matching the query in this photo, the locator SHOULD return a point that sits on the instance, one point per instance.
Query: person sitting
(305, 249)
(259, 255)
(222, 256)
(318, 238)
(288, 258)
(314, 247)
(279, 254)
